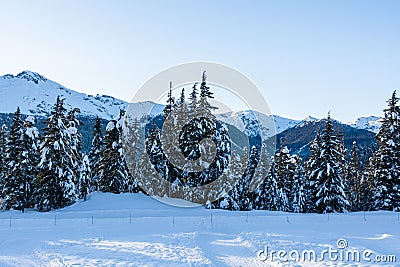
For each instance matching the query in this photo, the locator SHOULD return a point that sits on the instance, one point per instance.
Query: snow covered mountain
(249, 117)
(35, 95)
(371, 123)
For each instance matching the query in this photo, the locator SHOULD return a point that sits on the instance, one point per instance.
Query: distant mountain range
(299, 138)
(35, 95)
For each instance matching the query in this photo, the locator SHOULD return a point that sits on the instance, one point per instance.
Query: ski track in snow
(161, 235)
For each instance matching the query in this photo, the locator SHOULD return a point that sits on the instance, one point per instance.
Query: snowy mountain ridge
(35, 95)
(371, 123)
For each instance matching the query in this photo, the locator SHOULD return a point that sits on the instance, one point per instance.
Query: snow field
(136, 230)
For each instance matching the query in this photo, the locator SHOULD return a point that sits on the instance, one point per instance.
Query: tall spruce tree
(300, 190)
(75, 142)
(368, 186)
(241, 192)
(204, 105)
(56, 186)
(387, 158)
(285, 166)
(234, 173)
(14, 182)
(329, 187)
(3, 141)
(354, 179)
(112, 168)
(95, 154)
(31, 157)
(311, 168)
(193, 101)
(265, 193)
(132, 150)
(170, 102)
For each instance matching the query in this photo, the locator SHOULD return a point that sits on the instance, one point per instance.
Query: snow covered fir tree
(327, 174)
(386, 160)
(47, 168)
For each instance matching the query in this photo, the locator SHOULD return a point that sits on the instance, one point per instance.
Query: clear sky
(307, 57)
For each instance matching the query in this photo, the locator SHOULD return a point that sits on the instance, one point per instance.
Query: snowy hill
(371, 123)
(136, 230)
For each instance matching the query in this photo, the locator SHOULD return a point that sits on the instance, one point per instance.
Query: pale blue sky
(307, 57)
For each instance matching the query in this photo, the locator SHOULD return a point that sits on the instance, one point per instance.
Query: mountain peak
(31, 76)
(307, 120)
(310, 118)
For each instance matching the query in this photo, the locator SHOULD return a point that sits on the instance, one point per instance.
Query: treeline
(51, 171)
(327, 181)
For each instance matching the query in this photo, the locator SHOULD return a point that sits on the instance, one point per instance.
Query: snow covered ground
(135, 230)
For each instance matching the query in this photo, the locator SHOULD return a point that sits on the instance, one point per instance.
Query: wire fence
(212, 218)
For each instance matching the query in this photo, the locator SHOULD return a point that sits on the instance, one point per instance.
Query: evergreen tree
(387, 158)
(204, 105)
(240, 193)
(182, 98)
(181, 113)
(131, 151)
(311, 168)
(112, 169)
(272, 188)
(170, 102)
(14, 182)
(264, 195)
(233, 175)
(300, 190)
(95, 154)
(148, 176)
(3, 141)
(84, 181)
(353, 180)
(155, 152)
(330, 195)
(74, 149)
(193, 99)
(56, 186)
(285, 166)
(31, 158)
(368, 186)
